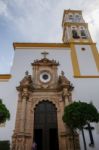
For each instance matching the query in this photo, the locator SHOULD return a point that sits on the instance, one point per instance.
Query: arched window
(77, 18)
(83, 33)
(75, 34)
(71, 18)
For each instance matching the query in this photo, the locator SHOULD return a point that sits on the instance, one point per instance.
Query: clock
(45, 77)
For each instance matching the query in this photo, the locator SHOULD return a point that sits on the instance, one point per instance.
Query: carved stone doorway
(45, 126)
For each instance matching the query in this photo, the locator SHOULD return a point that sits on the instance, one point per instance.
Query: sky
(39, 21)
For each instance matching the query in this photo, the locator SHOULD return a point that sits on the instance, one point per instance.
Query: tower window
(71, 17)
(77, 18)
(75, 34)
(83, 34)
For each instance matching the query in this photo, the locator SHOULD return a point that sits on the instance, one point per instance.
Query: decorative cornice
(72, 11)
(82, 42)
(75, 23)
(5, 77)
(45, 62)
(47, 45)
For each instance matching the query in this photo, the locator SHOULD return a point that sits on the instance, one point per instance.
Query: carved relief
(66, 88)
(26, 82)
(25, 93)
(37, 99)
(63, 81)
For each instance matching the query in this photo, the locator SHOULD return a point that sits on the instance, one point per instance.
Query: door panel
(38, 138)
(53, 138)
(45, 126)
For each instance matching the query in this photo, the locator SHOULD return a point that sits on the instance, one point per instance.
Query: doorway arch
(45, 126)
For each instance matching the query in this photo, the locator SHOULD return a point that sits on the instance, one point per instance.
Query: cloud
(40, 20)
(3, 8)
(92, 19)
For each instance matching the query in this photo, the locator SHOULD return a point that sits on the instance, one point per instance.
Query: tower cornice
(73, 11)
(75, 23)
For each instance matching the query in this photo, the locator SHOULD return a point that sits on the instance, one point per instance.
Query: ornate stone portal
(43, 86)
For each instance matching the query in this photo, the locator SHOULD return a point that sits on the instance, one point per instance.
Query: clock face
(45, 77)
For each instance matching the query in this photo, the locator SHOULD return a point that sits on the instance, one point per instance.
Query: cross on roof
(44, 54)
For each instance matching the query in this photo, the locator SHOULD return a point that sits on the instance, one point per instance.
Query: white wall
(86, 60)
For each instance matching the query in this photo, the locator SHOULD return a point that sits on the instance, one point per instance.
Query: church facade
(46, 77)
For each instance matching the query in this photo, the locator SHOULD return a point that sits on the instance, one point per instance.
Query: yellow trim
(86, 76)
(50, 45)
(72, 11)
(74, 60)
(47, 45)
(75, 23)
(80, 41)
(5, 77)
(95, 55)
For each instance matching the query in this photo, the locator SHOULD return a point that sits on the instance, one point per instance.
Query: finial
(62, 73)
(44, 54)
(26, 73)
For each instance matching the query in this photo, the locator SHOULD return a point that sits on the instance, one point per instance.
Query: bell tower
(74, 27)
(76, 34)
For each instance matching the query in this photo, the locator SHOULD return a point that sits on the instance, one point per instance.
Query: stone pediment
(45, 62)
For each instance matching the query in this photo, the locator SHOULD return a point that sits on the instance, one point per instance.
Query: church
(46, 77)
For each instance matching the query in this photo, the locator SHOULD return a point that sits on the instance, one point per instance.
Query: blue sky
(39, 21)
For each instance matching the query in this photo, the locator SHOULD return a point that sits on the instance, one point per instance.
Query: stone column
(17, 122)
(61, 126)
(65, 96)
(25, 96)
